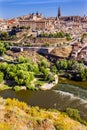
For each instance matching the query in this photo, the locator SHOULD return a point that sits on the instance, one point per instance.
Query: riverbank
(48, 86)
(45, 86)
(80, 84)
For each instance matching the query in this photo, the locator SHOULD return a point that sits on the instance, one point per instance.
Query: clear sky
(13, 8)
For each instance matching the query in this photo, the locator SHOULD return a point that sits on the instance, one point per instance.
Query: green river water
(66, 94)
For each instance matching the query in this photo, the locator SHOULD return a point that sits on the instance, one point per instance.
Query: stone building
(35, 24)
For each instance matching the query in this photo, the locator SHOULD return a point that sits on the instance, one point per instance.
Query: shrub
(2, 48)
(74, 114)
(17, 88)
(1, 77)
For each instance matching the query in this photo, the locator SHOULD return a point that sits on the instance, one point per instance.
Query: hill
(15, 115)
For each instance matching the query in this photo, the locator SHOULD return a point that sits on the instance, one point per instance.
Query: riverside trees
(72, 69)
(25, 73)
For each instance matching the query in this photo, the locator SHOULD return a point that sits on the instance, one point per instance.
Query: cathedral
(59, 13)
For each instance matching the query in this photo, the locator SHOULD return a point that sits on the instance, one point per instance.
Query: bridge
(45, 51)
(41, 50)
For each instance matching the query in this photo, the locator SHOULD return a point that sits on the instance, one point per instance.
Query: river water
(62, 96)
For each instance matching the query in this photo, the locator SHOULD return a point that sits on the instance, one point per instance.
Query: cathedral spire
(59, 12)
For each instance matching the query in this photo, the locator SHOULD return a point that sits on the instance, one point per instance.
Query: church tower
(59, 12)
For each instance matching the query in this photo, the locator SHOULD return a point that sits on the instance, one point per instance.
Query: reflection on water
(72, 82)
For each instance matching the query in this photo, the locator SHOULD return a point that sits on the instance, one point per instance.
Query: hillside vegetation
(25, 74)
(15, 115)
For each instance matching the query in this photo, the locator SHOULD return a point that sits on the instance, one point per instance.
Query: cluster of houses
(36, 21)
(76, 26)
(79, 51)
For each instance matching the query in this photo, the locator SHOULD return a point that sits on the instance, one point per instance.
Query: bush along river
(66, 94)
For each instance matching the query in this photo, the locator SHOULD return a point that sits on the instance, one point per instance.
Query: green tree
(54, 69)
(3, 67)
(2, 48)
(68, 37)
(1, 77)
(62, 64)
(22, 77)
(44, 63)
(4, 36)
(45, 72)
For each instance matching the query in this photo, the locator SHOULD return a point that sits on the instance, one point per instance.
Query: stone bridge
(40, 50)
(45, 51)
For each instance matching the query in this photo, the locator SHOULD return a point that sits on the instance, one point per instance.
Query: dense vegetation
(15, 115)
(26, 73)
(71, 69)
(4, 46)
(74, 114)
(8, 35)
(56, 35)
(11, 34)
(23, 71)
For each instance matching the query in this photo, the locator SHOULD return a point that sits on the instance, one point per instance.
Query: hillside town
(43, 65)
(28, 29)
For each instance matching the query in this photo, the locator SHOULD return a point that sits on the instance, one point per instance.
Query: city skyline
(15, 8)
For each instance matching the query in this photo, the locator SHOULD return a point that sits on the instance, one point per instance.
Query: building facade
(35, 24)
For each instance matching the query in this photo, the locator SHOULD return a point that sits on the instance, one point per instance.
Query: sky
(15, 8)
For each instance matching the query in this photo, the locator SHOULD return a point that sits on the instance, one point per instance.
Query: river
(79, 89)
(64, 95)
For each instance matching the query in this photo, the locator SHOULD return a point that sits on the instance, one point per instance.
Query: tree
(4, 36)
(54, 69)
(3, 67)
(2, 48)
(68, 37)
(45, 72)
(62, 64)
(82, 73)
(11, 71)
(1, 77)
(22, 66)
(23, 77)
(44, 63)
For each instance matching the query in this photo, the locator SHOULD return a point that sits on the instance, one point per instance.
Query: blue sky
(12, 8)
